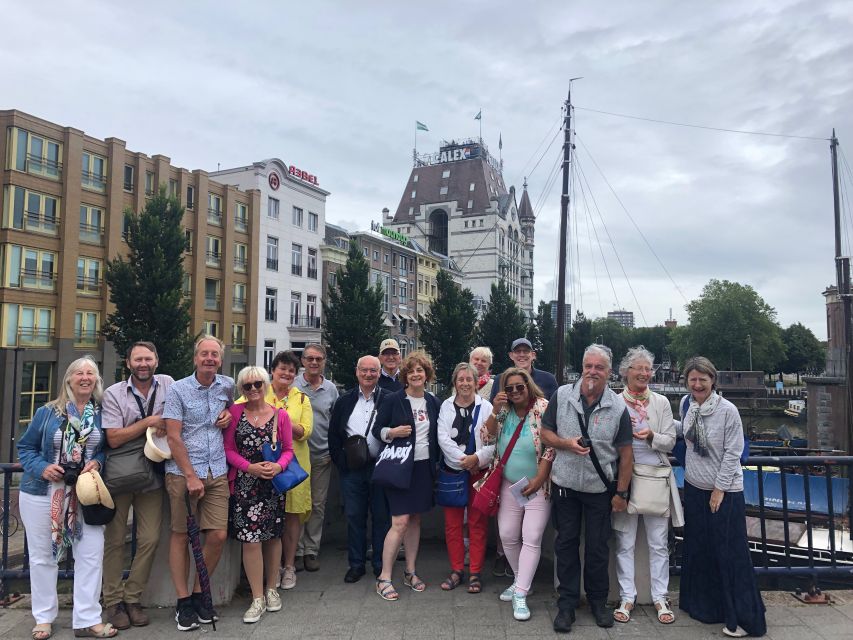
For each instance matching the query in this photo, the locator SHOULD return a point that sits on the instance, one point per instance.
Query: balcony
(305, 322)
(91, 234)
(214, 216)
(312, 273)
(35, 221)
(43, 167)
(241, 224)
(32, 337)
(240, 264)
(296, 269)
(272, 264)
(37, 279)
(88, 285)
(94, 181)
(212, 303)
(213, 259)
(86, 338)
(239, 305)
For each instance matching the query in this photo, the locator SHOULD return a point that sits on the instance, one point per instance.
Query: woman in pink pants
(518, 407)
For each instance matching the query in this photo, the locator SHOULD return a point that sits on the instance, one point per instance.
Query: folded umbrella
(194, 534)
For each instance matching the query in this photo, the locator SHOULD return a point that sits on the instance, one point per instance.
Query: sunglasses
(257, 384)
(515, 388)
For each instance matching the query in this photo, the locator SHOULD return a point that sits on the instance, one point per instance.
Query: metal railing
(307, 322)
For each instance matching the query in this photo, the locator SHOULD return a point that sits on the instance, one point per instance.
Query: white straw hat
(156, 447)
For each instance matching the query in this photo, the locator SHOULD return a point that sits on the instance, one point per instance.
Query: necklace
(254, 418)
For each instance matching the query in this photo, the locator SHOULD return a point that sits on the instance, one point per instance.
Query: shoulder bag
(488, 498)
(608, 484)
(126, 468)
(451, 486)
(396, 462)
(293, 474)
(355, 446)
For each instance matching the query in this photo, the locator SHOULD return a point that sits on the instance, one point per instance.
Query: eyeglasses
(515, 388)
(313, 358)
(641, 369)
(257, 384)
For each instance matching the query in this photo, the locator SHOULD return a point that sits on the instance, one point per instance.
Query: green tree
(545, 333)
(723, 321)
(447, 330)
(503, 321)
(610, 333)
(147, 287)
(353, 323)
(804, 352)
(580, 338)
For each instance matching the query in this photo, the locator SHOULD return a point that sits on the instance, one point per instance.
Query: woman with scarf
(717, 578)
(63, 440)
(481, 358)
(654, 437)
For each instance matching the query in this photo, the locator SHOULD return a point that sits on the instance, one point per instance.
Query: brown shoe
(137, 615)
(117, 616)
(311, 563)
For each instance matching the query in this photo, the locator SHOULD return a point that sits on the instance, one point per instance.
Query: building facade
(455, 204)
(625, 318)
(291, 221)
(64, 195)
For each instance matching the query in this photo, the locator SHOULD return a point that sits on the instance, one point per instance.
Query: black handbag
(355, 446)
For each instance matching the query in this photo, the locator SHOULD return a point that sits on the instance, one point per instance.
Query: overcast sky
(335, 88)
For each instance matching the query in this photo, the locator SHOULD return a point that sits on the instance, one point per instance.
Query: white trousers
(88, 565)
(657, 530)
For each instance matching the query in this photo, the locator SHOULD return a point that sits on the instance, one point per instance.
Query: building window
(214, 209)
(466, 224)
(34, 154)
(471, 187)
(414, 193)
(149, 183)
(443, 191)
(187, 286)
(386, 290)
(26, 326)
(173, 188)
(86, 325)
(312, 264)
(445, 173)
(404, 266)
(238, 304)
(91, 221)
(27, 268)
(190, 196)
(313, 222)
(269, 353)
(88, 276)
(295, 308)
(188, 236)
(241, 257)
(481, 220)
(403, 289)
(211, 294)
(311, 311)
(385, 259)
(272, 253)
(375, 255)
(238, 338)
(272, 208)
(35, 390)
(213, 256)
(297, 217)
(128, 178)
(211, 328)
(241, 217)
(470, 204)
(296, 259)
(30, 211)
(271, 305)
(94, 175)
(415, 177)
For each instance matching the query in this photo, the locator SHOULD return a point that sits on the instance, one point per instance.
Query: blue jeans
(359, 495)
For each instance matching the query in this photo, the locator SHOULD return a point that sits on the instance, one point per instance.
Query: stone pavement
(323, 606)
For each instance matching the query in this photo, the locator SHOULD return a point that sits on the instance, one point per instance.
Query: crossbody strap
(472, 438)
(611, 489)
(512, 442)
(376, 400)
(142, 411)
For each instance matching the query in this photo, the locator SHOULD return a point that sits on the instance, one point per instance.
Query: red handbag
(488, 496)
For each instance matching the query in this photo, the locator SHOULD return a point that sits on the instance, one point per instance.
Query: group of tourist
(512, 445)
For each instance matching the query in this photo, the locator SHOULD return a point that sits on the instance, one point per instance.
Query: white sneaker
(254, 612)
(273, 600)
(508, 593)
(288, 578)
(519, 607)
(737, 633)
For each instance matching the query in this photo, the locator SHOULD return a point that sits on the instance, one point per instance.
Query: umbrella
(194, 534)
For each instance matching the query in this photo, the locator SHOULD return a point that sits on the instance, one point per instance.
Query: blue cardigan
(35, 448)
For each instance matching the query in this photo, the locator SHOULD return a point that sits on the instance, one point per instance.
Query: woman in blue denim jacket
(63, 440)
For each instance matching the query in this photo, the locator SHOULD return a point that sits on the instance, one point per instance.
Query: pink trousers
(521, 529)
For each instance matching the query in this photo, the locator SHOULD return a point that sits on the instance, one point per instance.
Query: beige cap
(91, 490)
(156, 447)
(390, 343)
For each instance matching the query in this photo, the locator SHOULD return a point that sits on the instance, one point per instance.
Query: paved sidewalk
(323, 606)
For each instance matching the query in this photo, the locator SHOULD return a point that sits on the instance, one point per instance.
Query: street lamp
(749, 342)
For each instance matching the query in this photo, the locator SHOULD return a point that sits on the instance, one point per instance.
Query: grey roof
(524, 209)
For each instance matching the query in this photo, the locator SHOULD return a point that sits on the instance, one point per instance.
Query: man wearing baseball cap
(389, 357)
(522, 355)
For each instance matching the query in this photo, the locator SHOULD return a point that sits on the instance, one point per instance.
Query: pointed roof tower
(525, 210)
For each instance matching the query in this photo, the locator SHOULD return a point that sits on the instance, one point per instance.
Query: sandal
(665, 614)
(474, 584)
(106, 631)
(412, 581)
(623, 613)
(385, 589)
(453, 581)
(42, 631)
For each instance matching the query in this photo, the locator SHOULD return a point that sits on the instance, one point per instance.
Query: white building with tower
(292, 224)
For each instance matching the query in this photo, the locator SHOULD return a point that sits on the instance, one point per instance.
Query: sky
(335, 88)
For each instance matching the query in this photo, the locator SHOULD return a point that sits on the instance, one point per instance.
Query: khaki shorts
(211, 511)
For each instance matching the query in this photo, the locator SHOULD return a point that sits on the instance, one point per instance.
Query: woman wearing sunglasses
(257, 511)
(518, 407)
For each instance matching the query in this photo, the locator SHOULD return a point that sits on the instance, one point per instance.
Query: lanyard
(472, 442)
(142, 412)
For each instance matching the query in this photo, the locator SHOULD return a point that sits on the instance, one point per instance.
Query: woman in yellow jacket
(283, 394)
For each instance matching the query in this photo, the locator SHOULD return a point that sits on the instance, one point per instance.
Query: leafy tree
(720, 321)
(503, 321)
(353, 324)
(447, 330)
(545, 334)
(655, 339)
(804, 352)
(581, 336)
(609, 332)
(147, 287)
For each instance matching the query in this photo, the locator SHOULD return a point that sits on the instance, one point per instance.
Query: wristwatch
(623, 494)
